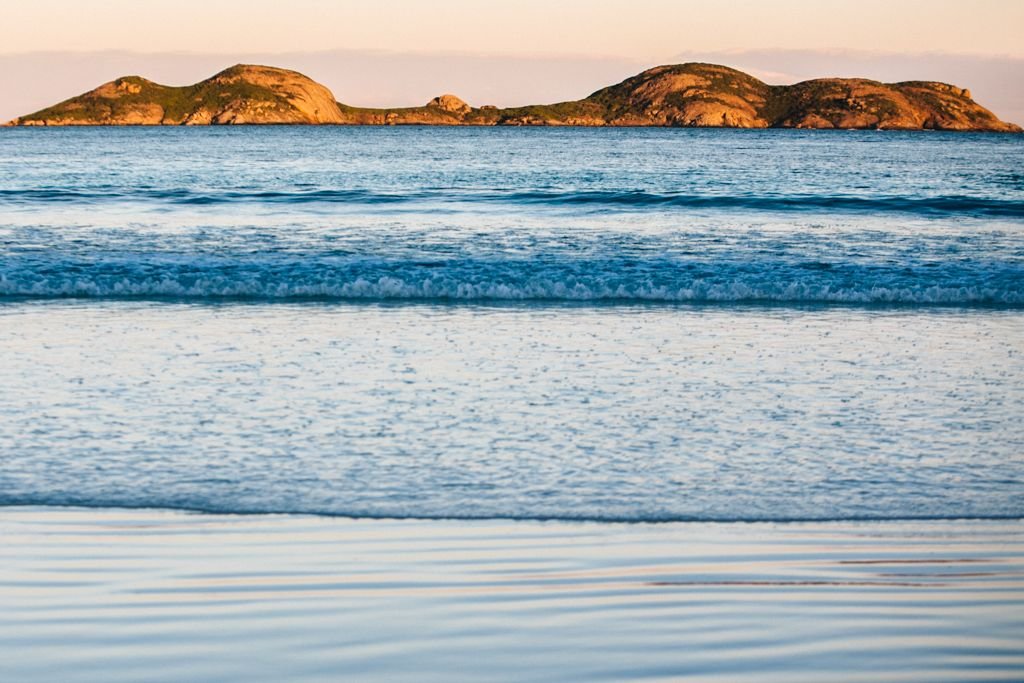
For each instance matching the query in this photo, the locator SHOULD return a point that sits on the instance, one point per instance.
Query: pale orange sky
(635, 29)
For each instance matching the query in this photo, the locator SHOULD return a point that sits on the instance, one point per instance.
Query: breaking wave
(314, 277)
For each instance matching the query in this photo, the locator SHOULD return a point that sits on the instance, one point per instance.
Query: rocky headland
(683, 95)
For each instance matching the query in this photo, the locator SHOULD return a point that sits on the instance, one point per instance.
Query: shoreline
(499, 519)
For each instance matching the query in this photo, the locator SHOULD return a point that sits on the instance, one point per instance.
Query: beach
(127, 595)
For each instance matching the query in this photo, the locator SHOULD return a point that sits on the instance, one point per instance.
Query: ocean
(524, 334)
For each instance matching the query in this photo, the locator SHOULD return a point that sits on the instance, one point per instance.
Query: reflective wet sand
(124, 595)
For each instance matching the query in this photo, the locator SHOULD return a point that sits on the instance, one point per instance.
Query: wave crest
(571, 280)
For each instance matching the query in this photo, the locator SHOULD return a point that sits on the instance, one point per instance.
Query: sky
(402, 52)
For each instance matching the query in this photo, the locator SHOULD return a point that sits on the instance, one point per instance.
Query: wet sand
(128, 595)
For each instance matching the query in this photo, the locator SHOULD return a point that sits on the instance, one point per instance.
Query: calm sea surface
(736, 405)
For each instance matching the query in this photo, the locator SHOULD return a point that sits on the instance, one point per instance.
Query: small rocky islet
(685, 95)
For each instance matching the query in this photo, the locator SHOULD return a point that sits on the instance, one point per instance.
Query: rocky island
(684, 95)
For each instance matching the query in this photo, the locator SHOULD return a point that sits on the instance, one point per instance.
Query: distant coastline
(685, 95)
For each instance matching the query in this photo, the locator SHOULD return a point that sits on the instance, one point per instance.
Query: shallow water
(519, 411)
(126, 596)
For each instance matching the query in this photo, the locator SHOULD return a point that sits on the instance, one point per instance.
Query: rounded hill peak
(450, 103)
(255, 72)
(703, 68)
(255, 93)
(693, 94)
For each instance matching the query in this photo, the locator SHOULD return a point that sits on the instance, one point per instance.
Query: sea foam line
(390, 288)
(272, 277)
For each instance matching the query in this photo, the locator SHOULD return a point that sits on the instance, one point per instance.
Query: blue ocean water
(635, 325)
